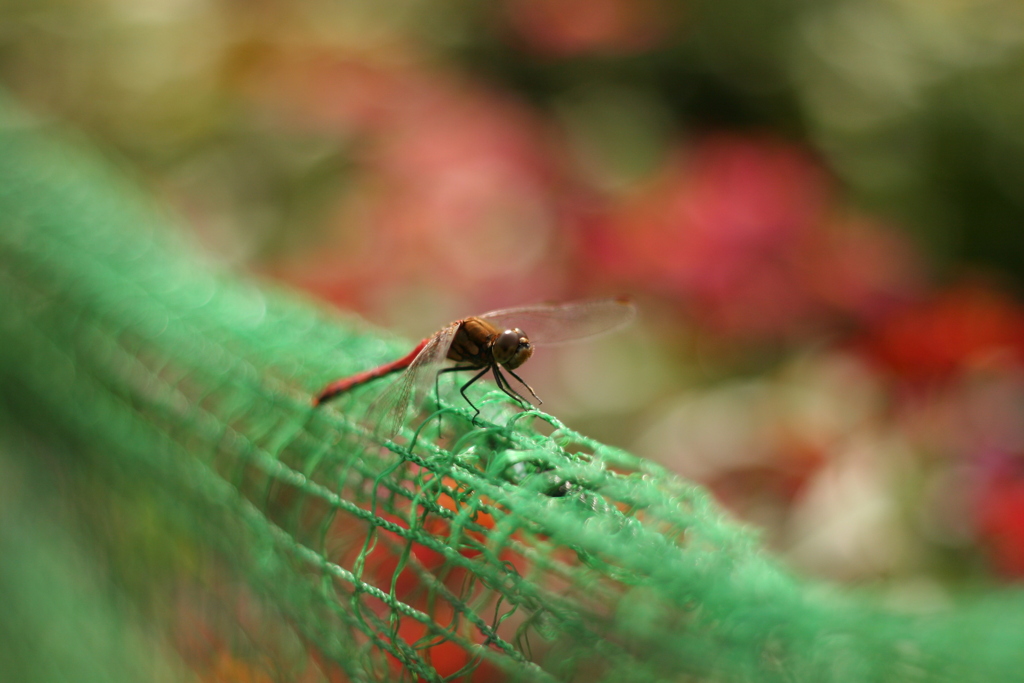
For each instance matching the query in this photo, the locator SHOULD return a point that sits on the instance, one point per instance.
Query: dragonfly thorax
(511, 348)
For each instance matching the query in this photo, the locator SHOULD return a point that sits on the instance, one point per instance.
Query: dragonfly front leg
(532, 392)
(504, 385)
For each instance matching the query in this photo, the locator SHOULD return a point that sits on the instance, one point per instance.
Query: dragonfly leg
(507, 388)
(532, 392)
(476, 411)
(437, 378)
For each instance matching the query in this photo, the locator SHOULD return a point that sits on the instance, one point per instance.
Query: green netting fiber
(486, 551)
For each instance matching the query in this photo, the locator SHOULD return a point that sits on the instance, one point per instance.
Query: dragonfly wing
(387, 413)
(560, 323)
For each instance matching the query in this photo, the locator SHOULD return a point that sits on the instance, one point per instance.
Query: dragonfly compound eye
(505, 345)
(522, 352)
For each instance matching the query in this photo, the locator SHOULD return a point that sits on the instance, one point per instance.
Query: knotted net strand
(514, 547)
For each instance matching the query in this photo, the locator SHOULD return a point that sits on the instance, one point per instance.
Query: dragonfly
(494, 343)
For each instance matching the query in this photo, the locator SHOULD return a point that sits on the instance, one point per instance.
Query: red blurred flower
(863, 270)
(570, 27)
(743, 233)
(1000, 522)
(963, 327)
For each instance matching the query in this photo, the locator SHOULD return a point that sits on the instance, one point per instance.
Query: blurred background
(818, 207)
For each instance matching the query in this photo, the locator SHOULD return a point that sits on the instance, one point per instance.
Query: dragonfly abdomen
(346, 383)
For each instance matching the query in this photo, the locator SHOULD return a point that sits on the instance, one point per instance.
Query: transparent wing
(387, 412)
(560, 323)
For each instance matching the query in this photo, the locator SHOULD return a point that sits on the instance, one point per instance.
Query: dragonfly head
(511, 348)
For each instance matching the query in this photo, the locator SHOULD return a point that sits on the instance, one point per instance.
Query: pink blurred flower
(743, 233)
(462, 194)
(325, 90)
(453, 192)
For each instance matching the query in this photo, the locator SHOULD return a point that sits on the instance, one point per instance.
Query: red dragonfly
(491, 342)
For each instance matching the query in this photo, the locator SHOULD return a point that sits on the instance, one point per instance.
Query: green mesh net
(510, 548)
